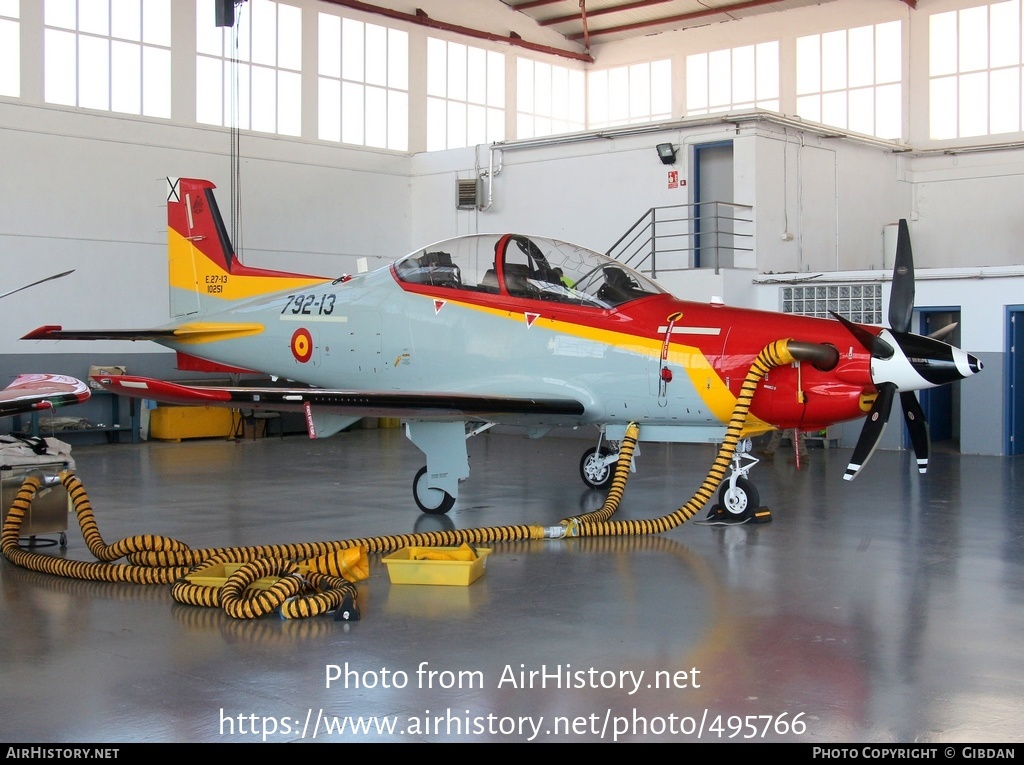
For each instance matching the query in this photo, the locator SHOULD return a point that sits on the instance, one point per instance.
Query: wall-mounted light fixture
(225, 12)
(666, 153)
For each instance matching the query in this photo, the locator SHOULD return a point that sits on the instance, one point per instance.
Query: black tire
(594, 475)
(741, 501)
(430, 501)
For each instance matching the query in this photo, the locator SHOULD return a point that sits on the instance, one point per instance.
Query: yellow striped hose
(773, 355)
(317, 577)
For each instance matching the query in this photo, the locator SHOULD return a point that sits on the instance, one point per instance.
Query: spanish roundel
(302, 345)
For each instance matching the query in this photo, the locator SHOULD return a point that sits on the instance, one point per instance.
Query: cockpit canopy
(526, 267)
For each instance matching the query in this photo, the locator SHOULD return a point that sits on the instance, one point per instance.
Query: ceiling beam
(531, 4)
(734, 7)
(601, 11)
(422, 19)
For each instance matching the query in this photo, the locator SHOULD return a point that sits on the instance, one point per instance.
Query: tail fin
(204, 273)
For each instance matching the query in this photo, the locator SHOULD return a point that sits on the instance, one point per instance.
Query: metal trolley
(50, 509)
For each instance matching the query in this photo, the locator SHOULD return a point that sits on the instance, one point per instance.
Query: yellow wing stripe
(208, 332)
(705, 380)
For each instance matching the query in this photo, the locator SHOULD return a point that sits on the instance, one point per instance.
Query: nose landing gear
(738, 499)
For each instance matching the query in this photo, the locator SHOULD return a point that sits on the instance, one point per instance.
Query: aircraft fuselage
(375, 332)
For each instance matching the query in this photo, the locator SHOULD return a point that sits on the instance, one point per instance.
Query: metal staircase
(706, 235)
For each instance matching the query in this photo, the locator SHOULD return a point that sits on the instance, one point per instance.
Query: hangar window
(975, 70)
(113, 55)
(10, 49)
(736, 78)
(549, 99)
(465, 95)
(363, 83)
(250, 75)
(625, 95)
(852, 78)
(857, 302)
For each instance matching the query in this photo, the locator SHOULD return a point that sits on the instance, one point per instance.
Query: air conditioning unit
(467, 193)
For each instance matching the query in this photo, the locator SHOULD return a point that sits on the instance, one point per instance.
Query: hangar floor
(884, 610)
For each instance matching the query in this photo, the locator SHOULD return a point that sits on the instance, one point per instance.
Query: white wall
(86, 191)
(967, 207)
(588, 192)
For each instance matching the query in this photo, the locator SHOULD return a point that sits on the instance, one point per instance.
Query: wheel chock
(719, 516)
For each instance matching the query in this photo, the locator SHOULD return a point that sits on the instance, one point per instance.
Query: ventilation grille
(467, 193)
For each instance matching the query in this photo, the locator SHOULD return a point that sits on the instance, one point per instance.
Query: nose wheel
(739, 499)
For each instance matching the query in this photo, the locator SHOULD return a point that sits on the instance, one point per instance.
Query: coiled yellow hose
(324, 581)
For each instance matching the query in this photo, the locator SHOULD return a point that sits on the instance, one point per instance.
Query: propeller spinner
(903, 362)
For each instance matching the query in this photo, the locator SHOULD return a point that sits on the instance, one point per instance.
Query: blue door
(1015, 381)
(712, 183)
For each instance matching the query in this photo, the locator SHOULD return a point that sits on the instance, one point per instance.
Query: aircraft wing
(32, 392)
(358, 403)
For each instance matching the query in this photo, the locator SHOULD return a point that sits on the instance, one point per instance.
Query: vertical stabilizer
(204, 273)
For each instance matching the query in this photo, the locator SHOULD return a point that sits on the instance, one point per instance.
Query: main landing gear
(436, 485)
(429, 500)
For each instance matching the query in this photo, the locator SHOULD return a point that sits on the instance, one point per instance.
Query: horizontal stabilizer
(374, 404)
(56, 332)
(191, 333)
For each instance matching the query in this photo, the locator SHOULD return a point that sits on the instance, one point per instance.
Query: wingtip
(43, 332)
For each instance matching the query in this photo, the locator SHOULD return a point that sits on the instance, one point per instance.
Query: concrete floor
(886, 610)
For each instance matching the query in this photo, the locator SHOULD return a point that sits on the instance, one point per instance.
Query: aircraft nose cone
(931, 362)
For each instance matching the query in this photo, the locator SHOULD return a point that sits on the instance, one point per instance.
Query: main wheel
(430, 500)
(740, 500)
(594, 472)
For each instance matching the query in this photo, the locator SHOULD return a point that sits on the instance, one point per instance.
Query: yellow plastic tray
(402, 569)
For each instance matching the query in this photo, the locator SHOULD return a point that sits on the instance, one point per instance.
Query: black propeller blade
(875, 345)
(874, 426)
(901, 298)
(913, 415)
